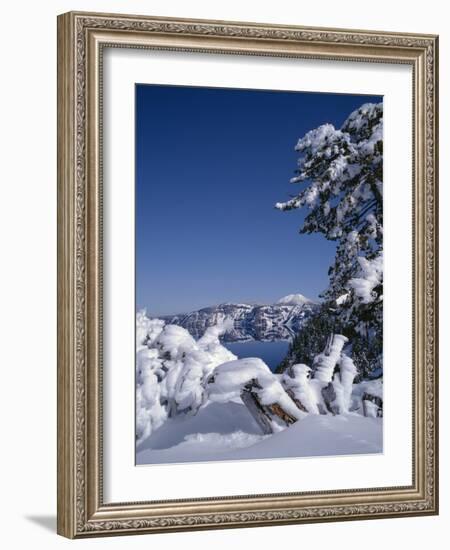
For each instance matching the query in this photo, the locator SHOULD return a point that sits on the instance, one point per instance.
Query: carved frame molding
(81, 39)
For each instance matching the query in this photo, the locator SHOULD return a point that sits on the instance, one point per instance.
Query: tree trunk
(265, 415)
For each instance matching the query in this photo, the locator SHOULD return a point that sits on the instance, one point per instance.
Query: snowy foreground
(227, 432)
(196, 401)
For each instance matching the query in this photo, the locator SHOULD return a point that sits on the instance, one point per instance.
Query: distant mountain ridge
(279, 321)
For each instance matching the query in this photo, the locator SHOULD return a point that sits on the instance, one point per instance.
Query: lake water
(272, 353)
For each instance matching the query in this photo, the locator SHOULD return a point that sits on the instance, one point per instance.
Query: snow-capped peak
(294, 300)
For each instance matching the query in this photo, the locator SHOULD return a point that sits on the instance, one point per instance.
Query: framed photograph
(247, 276)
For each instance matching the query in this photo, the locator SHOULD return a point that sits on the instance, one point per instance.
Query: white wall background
(28, 269)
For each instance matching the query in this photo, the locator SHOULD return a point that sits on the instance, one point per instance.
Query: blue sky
(210, 165)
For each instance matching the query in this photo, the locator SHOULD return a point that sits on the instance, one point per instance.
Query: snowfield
(196, 401)
(228, 432)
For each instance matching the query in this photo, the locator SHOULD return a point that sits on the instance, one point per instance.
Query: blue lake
(272, 353)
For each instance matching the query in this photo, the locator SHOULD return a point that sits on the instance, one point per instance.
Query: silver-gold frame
(81, 40)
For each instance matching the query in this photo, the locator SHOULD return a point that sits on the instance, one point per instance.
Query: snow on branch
(370, 277)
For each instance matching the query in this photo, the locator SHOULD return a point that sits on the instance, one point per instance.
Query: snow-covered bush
(171, 370)
(328, 385)
(296, 380)
(325, 362)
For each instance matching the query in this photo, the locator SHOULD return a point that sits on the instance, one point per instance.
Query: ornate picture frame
(82, 39)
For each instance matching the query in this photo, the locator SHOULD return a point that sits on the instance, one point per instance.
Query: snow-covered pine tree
(312, 338)
(341, 171)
